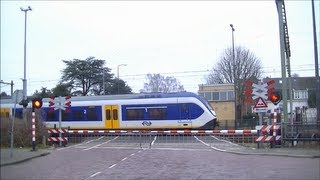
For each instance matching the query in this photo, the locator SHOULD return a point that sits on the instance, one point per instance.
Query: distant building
(301, 88)
(221, 98)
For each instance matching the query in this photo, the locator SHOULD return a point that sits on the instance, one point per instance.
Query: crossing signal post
(61, 103)
(275, 97)
(36, 104)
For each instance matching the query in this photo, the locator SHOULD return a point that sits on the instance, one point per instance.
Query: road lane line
(81, 143)
(224, 141)
(222, 150)
(93, 140)
(124, 159)
(113, 165)
(93, 175)
(100, 144)
(155, 137)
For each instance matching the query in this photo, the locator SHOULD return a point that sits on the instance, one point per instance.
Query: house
(301, 89)
(221, 98)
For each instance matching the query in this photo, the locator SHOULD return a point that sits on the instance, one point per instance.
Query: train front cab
(111, 116)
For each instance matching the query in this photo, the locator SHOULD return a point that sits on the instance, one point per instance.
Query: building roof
(298, 83)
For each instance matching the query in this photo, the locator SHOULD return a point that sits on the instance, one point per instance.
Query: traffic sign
(260, 103)
(261, 90)
(60, 103)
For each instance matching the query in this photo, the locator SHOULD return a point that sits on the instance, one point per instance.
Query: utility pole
(234, 78)
(316, 63)
(282, 24)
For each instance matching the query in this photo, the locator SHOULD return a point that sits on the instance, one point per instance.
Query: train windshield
(207, 105)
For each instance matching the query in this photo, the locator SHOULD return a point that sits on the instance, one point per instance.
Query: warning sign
(260, 103)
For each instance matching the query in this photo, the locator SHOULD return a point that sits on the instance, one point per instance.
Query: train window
(134, 114)
(91, 114)
(115, 114)
(78, 115)
(65, 116)
(108, 114)
(19, 114)
(184, 107)
(51, 116)
(157, 113)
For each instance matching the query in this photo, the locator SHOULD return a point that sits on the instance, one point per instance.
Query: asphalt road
(119, 157)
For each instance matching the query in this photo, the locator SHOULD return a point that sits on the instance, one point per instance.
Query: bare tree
(158, 83)
(245, 66)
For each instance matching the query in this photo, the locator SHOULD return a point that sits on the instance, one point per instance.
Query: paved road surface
(106, 158)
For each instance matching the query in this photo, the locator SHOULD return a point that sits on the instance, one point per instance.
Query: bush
(22, 130)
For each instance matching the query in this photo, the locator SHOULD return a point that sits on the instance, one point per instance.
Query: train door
(185, 119)
(111, 116)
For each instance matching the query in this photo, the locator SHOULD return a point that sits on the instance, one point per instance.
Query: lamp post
(119, 76)
(25, 51)
(234, 78)
(103, 90)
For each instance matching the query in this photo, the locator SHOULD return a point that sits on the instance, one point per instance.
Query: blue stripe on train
(161, 112)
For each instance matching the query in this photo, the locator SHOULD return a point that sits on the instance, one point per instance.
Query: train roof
(122, 96)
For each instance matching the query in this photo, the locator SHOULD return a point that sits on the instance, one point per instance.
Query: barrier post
(33, 130)
(274, 124)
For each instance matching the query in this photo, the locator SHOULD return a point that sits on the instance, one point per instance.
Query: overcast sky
(183, 39)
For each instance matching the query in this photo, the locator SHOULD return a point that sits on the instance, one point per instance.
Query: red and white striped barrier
(267, 139)
(57, 139)
(55, 131)
(265, 129)
(213, 132)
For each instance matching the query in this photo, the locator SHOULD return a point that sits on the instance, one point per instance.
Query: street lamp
(234, 78)
(119, 76)
(25, 51)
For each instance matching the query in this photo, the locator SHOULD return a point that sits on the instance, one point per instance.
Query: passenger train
(181, 110)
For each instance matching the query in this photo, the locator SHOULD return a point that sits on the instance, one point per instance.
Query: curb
(275, 154)
(23, 160)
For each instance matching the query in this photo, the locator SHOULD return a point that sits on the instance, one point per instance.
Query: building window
(300, 94)
(230, 95)
(208, 95)
(218, 95)
(215, 96)
(223, 96)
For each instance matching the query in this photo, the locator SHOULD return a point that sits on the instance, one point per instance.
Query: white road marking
(100, 144)
(222, 150)
(155, 137)
(77, 145)
(93, 175)
(113, 165)
(224, 141)
(180, 149)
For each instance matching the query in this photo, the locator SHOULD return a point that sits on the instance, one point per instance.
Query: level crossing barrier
(55, 138)
(178, 136)
(269, 134)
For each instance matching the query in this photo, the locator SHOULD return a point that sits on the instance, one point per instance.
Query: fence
(143, 138)
(301, 131)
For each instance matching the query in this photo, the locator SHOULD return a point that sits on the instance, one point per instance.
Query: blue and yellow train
(181, 110)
